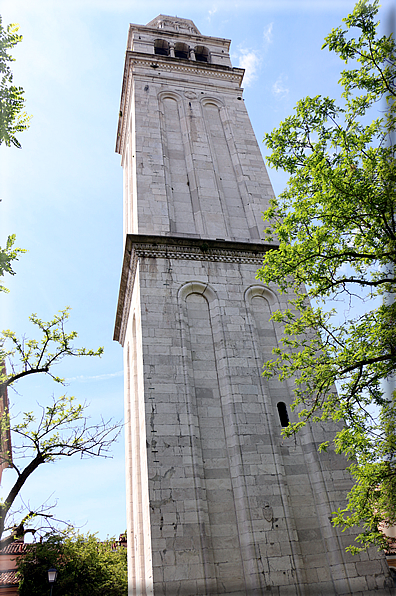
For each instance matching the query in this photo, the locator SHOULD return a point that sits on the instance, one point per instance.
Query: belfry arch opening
(161, 47)
(201, 54)
(182, 51)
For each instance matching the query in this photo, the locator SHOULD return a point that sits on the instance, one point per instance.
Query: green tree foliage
(12, 102)
(86, 567)
(12, 121)
(61, 429)
(335, 223)
(7, 255)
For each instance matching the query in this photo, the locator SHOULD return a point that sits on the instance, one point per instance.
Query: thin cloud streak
(267, 33)
(211, 12)
(279, 88)
(84, 379)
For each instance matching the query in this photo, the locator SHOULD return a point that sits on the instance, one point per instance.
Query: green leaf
(336, 228)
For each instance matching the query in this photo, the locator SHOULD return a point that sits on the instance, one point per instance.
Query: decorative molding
(169, 95)
(174, 65)
(263, 292)
(208, 99)
(196, 253)
(197, 287)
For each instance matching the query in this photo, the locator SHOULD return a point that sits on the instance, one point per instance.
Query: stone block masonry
(217, 501)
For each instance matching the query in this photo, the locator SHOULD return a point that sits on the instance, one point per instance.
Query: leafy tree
(7, 255)
(86, 567)
(12, 120)
(62, 429)
(335, 223)
(12, 117)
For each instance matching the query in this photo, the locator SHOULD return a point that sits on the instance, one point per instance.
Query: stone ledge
(139, 246)
(168, 63)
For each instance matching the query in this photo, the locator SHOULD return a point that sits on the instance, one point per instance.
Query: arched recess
(221, 149)
(208, 99)
(209, 436)
(260, 303)
(172, 121)
(264, 292)
(197, 287)
(246, 227)
(171, 94)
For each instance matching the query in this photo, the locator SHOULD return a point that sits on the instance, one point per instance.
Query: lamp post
(52, 574)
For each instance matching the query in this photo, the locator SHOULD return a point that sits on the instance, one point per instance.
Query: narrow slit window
(283, 415)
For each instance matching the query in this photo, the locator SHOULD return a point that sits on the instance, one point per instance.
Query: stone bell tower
(218, 502)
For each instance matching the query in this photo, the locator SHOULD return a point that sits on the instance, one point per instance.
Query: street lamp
(52, 574)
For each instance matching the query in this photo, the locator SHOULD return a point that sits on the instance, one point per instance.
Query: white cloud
(211, 12)
(279, 87)
(83, 378)
(249, 60)
(267, 33)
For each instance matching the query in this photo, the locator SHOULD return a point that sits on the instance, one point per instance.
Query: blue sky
(62, 192)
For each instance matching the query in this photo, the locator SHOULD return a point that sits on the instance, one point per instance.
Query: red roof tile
(8, 578)
(14, 548)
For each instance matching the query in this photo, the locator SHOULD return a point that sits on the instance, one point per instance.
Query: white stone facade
(218, 502)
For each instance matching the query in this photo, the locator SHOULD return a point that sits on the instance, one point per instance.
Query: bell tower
(217, 501)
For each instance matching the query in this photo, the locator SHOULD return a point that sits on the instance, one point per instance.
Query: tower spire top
(169, 23)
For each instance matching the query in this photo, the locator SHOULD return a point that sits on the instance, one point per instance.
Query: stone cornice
(175, 247)
(169, 64)
(139, 246)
